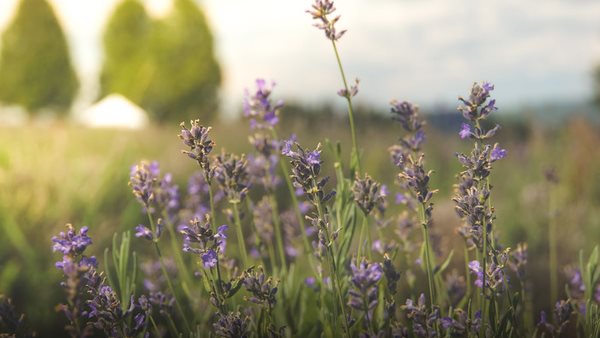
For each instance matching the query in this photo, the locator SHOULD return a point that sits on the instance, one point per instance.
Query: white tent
(114, 111)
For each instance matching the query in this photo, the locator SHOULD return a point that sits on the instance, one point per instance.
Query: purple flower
(349, 93)
(401, 198)
(475, 108)
(364, 290)
(70, 242)
(407, 114)
(232, 325)
(465, 131)
(310, 282)
(367, 194)
(154, 193)
(231, 173)
(143, 231)
(197, 139)
(314, 157)
(475, 268)
(321, 9)
(497, 153)
(259, 108)
(495, 276)
(306, 166)
(262, 288)
(221, 237)
(209, 259)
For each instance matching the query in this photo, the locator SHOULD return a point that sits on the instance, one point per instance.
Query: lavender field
(400, 224)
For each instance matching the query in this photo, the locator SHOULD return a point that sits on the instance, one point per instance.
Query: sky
(425, 51)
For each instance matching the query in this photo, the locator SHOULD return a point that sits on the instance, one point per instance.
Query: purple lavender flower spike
(363, 295)
(71, 242)
(259, 108)
(199, 143)
(367, 194)
(321, 9)
(232, 325)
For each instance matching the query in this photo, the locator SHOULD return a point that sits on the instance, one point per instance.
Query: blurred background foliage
(35, 67)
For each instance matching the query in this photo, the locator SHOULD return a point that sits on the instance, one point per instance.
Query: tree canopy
(167, 66)
(35, 65)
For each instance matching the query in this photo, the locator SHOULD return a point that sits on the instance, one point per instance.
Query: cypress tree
(166, 66)
(127, 68)
(35, 66)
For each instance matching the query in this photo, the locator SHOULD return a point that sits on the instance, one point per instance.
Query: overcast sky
(426, 51)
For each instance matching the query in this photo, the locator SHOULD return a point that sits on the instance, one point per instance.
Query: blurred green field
(52, 175)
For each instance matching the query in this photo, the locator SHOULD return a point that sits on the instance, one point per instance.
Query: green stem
(278, 234)
(361, 238)
(212, 206)
(164, 271)
(335, 278)
(369, 240)
(484, 275)
(427, 256)
(468, 275)
(350, 108)
(170, 286)
(177, 249)
(240, 234)
(259, 243)
(284, 167)
(553, 266)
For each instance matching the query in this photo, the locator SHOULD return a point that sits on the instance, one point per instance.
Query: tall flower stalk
(306, 167)
(473, 203)
(414, 178)
(200, 146)
(263, 115)
(232, 176)
(322, 11)
(144, 182)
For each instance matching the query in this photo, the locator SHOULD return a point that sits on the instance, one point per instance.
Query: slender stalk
(553, 265)
(240, 234)
(467, 273)
(278, 234)
(483, 286)
(181, 266)
(369, 237)
(170, 286)
(165, 273)
(427, 256)
(361, 238)
(333, 267)
(350, 108)
(483, 300)
(285, 169)
(258, 240)
(212, 206)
